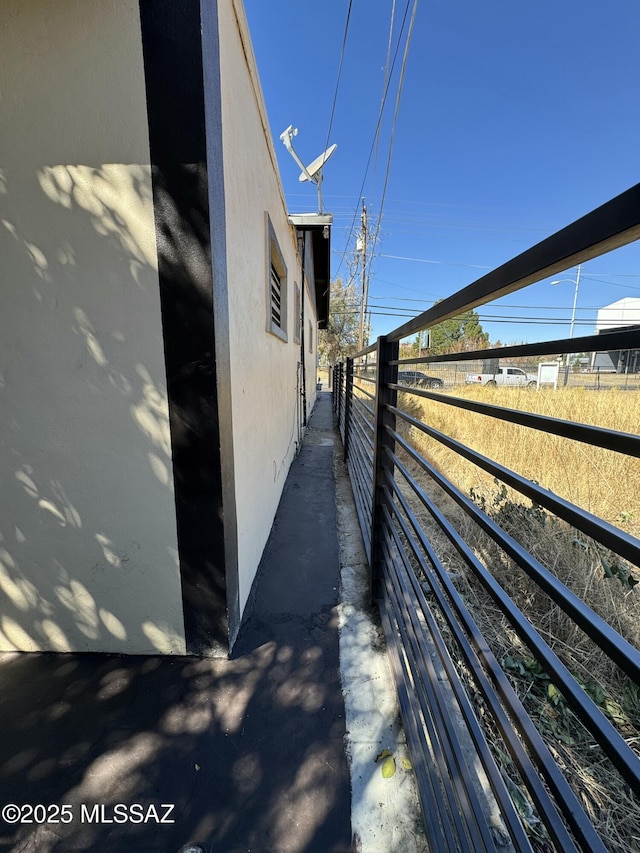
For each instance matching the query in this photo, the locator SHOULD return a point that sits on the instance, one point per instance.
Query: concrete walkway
(249, 752)
(248, 755)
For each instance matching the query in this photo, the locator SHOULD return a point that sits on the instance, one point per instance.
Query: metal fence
(453, 374)
(460, 709)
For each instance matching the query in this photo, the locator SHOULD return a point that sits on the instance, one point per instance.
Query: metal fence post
(385, 396)
(334, 399)
(333, 389)
(347, 404)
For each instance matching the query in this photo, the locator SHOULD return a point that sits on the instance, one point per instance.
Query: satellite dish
(317, 164)
(313, 172)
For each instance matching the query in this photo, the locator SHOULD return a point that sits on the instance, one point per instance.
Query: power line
(365, 277)
(384, 88)
(335, 94)
(612, 283)
(483, 267)
(614, 274)
(501, 305)
(516, 318)
(429, 261)
(395, 116)
(441, 225)
(534, 321)
(550, 321)
(379, 122)
(401, 310)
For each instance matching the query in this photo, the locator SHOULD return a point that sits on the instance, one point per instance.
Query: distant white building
(623, 314)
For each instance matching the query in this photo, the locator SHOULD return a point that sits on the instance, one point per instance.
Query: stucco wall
(265, 389)
(88, 555)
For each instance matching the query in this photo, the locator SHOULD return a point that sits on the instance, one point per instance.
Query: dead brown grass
(601, 481)
(607, 484)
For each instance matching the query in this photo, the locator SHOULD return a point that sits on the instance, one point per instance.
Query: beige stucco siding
(88, 549)
(264, 375)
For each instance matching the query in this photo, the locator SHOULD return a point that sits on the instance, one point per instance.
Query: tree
(408, 350)
(458, 334)
(340, 338)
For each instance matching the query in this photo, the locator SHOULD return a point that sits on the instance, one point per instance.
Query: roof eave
(318, 225)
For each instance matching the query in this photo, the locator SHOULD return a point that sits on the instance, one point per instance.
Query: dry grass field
(602, 481)
(607, 484)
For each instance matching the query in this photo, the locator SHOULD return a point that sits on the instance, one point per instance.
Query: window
(276, 297)
(297, 327)
(276, 286)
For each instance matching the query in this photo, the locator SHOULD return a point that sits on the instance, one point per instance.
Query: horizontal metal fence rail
(362, 448)
(444, 667)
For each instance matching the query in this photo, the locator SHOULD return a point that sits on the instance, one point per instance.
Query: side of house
(150, 406)
(272, 299)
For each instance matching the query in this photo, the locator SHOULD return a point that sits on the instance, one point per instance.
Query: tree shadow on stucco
(89, 276)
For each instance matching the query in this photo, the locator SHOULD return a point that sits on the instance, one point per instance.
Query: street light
(575, 296)
(573, 314)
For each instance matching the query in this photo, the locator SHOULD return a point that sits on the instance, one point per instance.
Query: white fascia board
(310, 220)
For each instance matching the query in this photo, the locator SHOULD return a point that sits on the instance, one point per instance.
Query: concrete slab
(249, 752)
(300, 569)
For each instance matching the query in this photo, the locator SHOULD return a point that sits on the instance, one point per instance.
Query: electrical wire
(354, 307)
(612, 283)
(342, 52)
(395, 117)
(501, 305)
(429, 261)
(403, 68)
(365, 278)
(541, 321)
(589, 276)
(373, 142)
(384, 88)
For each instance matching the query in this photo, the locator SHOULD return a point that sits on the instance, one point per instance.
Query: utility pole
(575, 302)
(567, 358)
(569, 355)
(364, 295)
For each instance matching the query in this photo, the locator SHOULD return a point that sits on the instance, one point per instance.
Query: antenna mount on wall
(312, 172)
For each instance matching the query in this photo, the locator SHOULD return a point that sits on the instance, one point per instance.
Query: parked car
(503, 376)
(418, 380)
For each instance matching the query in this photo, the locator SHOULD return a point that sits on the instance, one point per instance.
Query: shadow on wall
(88, 547)
(233, 745)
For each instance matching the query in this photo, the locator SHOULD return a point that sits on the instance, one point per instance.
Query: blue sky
(515, 119)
